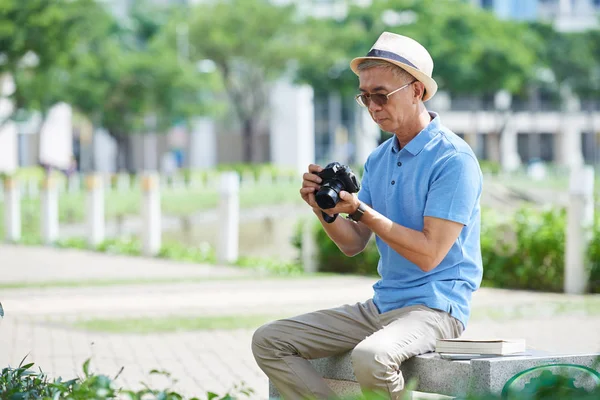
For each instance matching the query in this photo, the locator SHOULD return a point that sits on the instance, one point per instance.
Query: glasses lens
(362, 100)
(379, 99)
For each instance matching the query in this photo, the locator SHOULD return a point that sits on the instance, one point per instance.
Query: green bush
(526, 252)
(22, 383)
(521, 251)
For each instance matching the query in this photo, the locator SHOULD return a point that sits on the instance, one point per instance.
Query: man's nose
(373, 106)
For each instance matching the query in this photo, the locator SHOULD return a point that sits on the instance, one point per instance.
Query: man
(420, 197)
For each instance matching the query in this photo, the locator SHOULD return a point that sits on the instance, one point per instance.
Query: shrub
(22, 383)
(521, 251)
(527, 252)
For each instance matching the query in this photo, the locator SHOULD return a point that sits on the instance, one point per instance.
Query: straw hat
(406, 53)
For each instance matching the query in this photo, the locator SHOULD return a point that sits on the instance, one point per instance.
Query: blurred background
(118, 119)
(190, 88)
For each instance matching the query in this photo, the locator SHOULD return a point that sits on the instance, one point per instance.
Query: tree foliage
(473, 51)
(252, 43)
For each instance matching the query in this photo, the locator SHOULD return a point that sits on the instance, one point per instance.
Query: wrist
(358, 212)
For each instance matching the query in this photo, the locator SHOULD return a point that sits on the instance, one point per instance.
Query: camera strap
(327, 218)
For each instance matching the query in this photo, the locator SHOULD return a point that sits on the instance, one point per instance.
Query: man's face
(390, 117)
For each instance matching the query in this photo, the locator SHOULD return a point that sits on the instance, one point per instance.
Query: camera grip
(327, 218)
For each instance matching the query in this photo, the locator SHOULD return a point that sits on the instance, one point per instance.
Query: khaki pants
(381, 342)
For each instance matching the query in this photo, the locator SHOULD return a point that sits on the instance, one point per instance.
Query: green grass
(174, 324)
(589, 306)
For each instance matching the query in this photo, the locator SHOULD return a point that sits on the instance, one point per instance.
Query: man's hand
(348, 204)
(311, 183)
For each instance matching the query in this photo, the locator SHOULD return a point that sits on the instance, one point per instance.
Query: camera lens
(327, 196)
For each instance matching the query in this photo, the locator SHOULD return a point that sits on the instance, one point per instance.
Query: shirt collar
(417, 143)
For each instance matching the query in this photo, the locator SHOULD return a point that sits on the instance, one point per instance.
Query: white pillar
(33, 188)
(12, 210)
(123, 182)
(292, 128)
(49, 211)
(229, 217)
(509, 155)
(95, 210)
(493, 147)
(203, 143)
(568, 143)
(309, 247)
(74, 183)
(151, 215)
(580, 221)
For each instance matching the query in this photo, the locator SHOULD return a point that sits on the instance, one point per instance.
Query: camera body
(335, 178)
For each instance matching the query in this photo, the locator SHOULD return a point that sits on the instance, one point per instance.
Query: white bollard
(580, 220)
(229, 217)
(49, 211)
(309, 247)
(248, 179)
(33, 188)
(12, 210)
(74, 183)
(123, 182)
(151, 214)
(95, 210)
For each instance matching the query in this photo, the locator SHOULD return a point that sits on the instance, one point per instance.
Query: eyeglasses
(364, 99)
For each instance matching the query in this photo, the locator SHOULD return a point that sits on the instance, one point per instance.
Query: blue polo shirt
(436, 174)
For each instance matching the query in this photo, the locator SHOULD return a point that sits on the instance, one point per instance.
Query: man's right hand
(311, 183)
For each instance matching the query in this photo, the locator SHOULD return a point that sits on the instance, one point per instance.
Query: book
(486, 346)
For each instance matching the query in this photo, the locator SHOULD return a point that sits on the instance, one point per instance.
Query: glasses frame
(359, 96)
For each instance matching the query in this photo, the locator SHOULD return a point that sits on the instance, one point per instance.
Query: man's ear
(418, 90)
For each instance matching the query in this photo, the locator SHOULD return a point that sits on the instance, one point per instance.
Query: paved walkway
(38, 321)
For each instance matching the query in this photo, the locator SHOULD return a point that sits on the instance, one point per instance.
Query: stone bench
(452, 378)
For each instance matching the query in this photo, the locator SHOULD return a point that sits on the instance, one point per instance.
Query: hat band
(391, 56)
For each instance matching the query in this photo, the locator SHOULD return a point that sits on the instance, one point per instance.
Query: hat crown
(406, 48)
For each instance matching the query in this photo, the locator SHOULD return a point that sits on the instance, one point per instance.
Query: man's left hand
(348, 204)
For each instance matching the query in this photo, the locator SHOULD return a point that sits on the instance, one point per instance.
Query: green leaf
(86, 367)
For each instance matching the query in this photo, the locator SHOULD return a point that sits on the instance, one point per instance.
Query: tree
(36, 40)
(251, 43)
(573, 58)
(128, 74)
(473, 51)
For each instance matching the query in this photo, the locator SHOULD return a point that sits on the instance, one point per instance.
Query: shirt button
(393, 182)
(399, 164)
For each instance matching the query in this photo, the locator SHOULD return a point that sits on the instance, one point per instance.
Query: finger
(308, 189)
(312, 201)
(311, 177)
(315, 168)
(310, 184)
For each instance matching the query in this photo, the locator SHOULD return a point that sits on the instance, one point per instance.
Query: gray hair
(396, 70)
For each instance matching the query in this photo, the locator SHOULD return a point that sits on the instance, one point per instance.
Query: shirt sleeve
(455, 190)
(364, 194)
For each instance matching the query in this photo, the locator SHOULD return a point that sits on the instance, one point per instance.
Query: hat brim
(430, 84)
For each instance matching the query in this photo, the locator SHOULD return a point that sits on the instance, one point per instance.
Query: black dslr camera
(336, 177)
